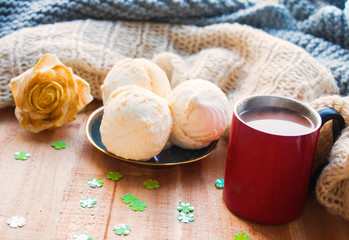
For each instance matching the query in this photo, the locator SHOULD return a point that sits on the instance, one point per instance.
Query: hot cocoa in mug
(277, 120)
(270, 153)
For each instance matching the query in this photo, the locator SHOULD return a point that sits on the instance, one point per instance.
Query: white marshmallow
(138, 71)
(200, 113)
(136, 123)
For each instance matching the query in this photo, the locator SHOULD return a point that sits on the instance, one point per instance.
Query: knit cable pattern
(320, 27)
(239, 59)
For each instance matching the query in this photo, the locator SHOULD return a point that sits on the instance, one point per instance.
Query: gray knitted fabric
(318, 18)
(330, 55)
(320, 27)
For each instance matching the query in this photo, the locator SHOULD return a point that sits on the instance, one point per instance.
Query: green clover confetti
(95, 182)
(185, 207)
(241, 236)
(219, 183)
(88, 202)
(138, 205)
(22, 155)
(122, 229)
(151, 184)
(128, 198)
(59, 145)
(82, 236)
(114, 176)
(185, 217)
(16, 221)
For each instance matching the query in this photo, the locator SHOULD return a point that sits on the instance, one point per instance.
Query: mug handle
(338, 123)
(328, 113)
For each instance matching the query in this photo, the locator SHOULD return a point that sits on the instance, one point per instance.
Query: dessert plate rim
(172, 156)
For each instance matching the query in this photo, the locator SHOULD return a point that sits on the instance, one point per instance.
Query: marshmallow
(136, 123)
(200, 113)
(137, 71)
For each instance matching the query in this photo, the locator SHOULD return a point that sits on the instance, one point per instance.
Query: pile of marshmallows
(142, 114)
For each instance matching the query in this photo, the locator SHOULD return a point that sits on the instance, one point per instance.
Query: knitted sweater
(318, 27)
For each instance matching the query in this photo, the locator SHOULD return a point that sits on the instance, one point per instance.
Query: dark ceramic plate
(171, 156)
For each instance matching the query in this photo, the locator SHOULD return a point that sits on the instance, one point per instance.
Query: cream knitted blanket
(239, 59)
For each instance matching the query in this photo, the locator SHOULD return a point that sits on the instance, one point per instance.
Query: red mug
(270, 153)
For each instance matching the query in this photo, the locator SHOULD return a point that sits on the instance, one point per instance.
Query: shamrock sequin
(95, 182)
(151, 184)
(87, 202)
(22, 155)
(59, 145)
(185, 217)
(122, 229)
(138, 205)
(185, 207)
(16, 221)
(241, 236)
(114, 176)
(128, 198)
(82, 236)
(219, 183)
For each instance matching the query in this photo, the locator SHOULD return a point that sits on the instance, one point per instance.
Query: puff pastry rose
(48, 95)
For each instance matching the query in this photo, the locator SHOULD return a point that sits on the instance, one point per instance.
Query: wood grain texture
(46, 190)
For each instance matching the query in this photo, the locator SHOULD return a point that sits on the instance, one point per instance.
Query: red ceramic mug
(271, 148)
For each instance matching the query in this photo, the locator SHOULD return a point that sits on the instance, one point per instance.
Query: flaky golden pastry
(48, 95)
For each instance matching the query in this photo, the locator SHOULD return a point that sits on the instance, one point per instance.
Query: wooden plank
(46, 190)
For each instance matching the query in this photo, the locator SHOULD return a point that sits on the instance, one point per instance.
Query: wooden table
(47, 188)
